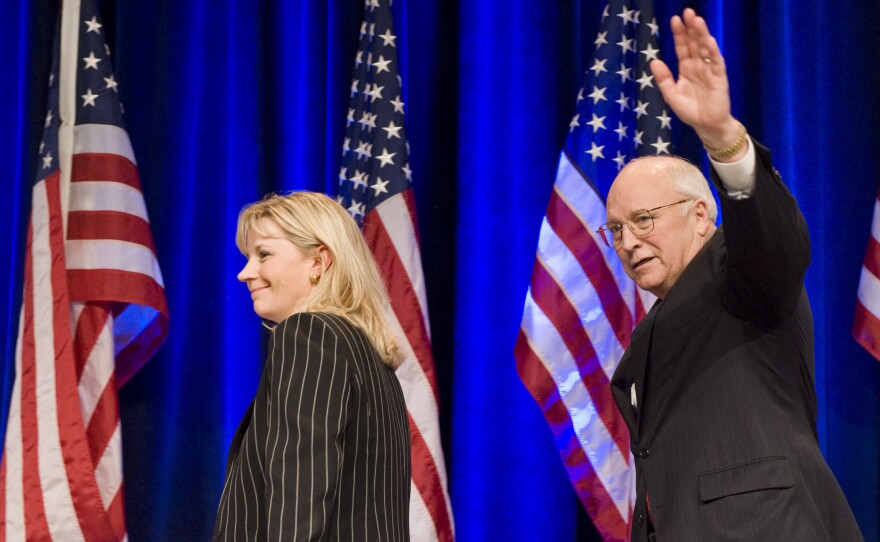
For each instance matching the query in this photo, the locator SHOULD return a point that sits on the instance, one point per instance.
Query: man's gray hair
(687, 179)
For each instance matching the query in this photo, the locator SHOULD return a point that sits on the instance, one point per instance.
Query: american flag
(93, 309)
(581, 307)
(375, 185)
(866, 325)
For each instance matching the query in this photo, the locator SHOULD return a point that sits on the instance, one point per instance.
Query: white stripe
(108, 472)
(599, 446)
(67, 98)
(421, 524)
(60, 514)
(107, 196)
(113, 254)
(580, 292)
(869, 292)
(587, 205)
(97, 371)
(12, 453)
(103, 139)
(398, 224)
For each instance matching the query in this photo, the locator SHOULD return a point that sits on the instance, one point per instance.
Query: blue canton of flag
(620, 111)
(375, 154)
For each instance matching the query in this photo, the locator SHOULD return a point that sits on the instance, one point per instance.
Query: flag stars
(641, 109)
(386, 158)
(398, 105)
(91, 61)
(93, 26)
(661, 146)
(407, 172)
(89, 98)
(595, 151)
(645, 81)
(356, 209)
(574, 123)
(620, 159)
(375, 92)
(368, 120)
(597, 95)
(599, 66)
(346, 144)
(625, 45)
(47, 160)
(379, 186)
(48, 120)
(111, 83)
(600, 39)
(637, 139)
(626, 15)
(350, 118)
(359, 58)
(354, 87)
(364, 150)
(664, 120)
(625, 74)
(580, 95)
(359, 179)
(650, 53)
(343, 174)
(621, 130)
(655, 28)
(598, 123)
(388, 38)
(382, 65)
(393, 131)
(623, 101)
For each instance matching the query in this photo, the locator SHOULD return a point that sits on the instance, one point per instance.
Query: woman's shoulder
(308, 323)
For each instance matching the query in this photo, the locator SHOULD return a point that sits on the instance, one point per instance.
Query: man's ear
(704, 223)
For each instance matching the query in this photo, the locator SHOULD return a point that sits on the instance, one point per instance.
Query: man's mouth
(642, 262)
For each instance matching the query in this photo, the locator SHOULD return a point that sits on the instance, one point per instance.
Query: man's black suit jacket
(324, 451)
(724, 428)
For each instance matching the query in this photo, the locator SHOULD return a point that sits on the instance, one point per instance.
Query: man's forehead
(639, 186)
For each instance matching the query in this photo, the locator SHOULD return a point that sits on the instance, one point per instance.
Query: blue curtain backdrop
(226, 101)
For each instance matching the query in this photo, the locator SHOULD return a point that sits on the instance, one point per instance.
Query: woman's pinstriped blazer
(323, 453)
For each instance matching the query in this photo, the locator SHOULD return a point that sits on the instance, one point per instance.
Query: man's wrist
(733, 151)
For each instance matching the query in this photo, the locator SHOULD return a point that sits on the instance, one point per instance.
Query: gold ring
(707, 60)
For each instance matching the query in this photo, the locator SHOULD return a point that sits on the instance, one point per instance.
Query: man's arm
(765, 233)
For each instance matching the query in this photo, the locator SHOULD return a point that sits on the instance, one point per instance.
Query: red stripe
(872, 257)
(36, 526)
(103, 422)
(104, 167)
(427, 480)
(116, 285)
(550, 297)
(404, 300)
(77, 461)
(640, 307)
(589, 488)
(571, 231)
(866, 330)
(109, 225)
(116, 512)
(88, 329)
(409, 197)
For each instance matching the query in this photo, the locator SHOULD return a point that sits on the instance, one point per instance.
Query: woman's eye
(263, 255)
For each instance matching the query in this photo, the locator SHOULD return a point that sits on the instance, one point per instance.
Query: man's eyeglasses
(640, 222)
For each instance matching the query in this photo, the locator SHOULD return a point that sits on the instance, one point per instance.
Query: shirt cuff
(738, 177)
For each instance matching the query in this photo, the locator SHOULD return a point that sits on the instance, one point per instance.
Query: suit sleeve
(309, 390)
(768, 248)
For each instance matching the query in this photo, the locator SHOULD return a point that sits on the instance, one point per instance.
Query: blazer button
(640, 519)
(643, 453)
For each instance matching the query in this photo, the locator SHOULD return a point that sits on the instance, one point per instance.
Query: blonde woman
(323, 453)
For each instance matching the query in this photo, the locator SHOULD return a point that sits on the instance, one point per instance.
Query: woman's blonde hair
(350, 286)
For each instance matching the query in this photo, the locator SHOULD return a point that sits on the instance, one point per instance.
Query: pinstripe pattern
(323, 453)
(725, 436)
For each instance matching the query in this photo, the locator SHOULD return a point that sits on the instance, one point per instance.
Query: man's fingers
(663, 77)
(679, 38)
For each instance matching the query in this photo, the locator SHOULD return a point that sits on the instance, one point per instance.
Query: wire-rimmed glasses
(639, 222)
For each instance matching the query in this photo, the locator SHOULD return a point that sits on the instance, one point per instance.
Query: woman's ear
(323, 259)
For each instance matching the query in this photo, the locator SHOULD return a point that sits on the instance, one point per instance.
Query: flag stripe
(582, 245)
(872, 257)
(429, 484)
(116, 285)
(105, 167)
(554, 303)
(92, 225)
(866, 322)
(583, 477)
(107, 196)
(102, 139)
(112, 254)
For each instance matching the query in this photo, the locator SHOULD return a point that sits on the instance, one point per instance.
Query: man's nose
(628, 240)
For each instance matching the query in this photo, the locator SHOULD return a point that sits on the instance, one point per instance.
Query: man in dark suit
(717, 386)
